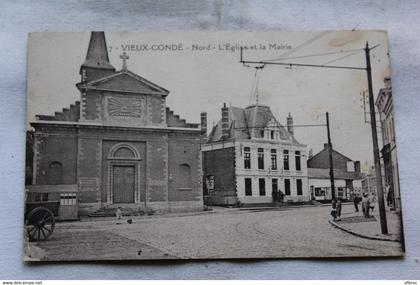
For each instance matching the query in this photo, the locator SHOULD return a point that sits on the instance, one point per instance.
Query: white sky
(202, 80)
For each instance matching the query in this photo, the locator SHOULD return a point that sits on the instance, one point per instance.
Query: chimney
(311, 153)
(290, 124)
(387, 82)
(357, 166)
(225, 122)
(203, 123)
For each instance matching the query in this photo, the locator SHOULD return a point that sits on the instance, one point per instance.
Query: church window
(55, 173)
(84, 75)
(247, 157)
(124, 152)
(185, 176)
(260, 158)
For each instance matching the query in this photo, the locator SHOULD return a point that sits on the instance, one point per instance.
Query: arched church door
(123, 171)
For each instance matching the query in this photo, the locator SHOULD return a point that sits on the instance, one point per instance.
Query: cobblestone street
(299, 232)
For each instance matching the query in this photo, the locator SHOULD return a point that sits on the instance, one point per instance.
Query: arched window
(124, 152)
(185, 176)
(55, 173)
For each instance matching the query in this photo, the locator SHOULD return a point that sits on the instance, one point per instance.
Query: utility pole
(376, 157)
(379, 187)
(330, 152)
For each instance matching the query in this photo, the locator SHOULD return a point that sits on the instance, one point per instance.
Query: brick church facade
(120, 146)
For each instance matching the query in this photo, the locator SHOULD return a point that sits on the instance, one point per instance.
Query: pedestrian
(365, 205)
(334, 209)
(372, 203)
(389, 196)
(338, 207)
(281, 196)
(118, 213)
(275, 195)
(356, 202)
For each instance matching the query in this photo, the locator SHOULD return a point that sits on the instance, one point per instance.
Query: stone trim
(110, 192)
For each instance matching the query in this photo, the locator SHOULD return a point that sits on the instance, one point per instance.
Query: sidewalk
(354, 223)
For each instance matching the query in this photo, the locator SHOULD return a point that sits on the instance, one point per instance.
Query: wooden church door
(123, 183)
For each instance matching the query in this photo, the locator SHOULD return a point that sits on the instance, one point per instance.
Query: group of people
(368, 203)
(278, 195)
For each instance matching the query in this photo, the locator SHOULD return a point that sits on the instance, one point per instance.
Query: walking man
(356, 202)
(365, 205)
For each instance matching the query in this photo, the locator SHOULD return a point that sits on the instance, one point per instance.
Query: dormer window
(272, 135)
(262, 133)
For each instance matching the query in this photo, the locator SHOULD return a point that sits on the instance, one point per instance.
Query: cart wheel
(40, 224)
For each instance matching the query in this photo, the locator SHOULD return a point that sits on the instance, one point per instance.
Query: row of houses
(120, 145)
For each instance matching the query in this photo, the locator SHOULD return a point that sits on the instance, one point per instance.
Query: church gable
(125, 81)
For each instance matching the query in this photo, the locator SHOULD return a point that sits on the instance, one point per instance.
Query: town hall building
(120, 145)
(251, 159)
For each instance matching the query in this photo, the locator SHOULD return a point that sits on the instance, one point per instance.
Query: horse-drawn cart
(45, 206)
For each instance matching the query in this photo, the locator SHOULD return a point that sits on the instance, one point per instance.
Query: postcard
(210, 145)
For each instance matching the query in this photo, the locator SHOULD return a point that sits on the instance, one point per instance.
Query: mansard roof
(243, 121)
(124, 81)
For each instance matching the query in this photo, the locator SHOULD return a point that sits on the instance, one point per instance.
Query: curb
(361, 235)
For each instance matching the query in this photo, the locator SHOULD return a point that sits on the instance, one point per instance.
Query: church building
(251, 159)
(120, 145)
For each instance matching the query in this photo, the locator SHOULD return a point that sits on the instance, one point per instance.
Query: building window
(299, 187)
(273, 159)
(55, 173)
(262, 186)
(274, 184)
(247, 158)
(248, 187)
(41, 197)
(68, 199)
(272, 135)
(286, 159)
(260, 158)
(262, 133)
(297, 160)
(185, 175)
(287, 187)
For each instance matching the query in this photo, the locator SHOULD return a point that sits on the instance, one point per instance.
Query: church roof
(97, 54)
(124, 81)
(242, 122)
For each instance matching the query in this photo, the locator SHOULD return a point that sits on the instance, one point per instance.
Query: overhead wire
(316, 54)
(311, 40)
(340, 58)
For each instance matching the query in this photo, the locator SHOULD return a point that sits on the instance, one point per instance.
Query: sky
(202, 71)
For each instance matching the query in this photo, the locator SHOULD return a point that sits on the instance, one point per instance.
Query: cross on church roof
(124, 58)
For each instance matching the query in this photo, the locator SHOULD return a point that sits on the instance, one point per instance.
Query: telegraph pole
(376, 157)
(379, 187)
(330, 149)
